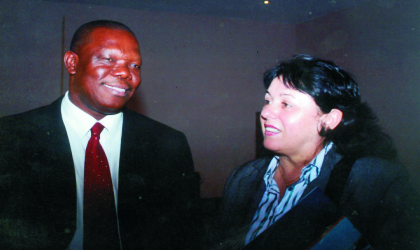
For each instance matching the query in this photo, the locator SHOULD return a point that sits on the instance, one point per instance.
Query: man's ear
(70, 61)
(332, 119)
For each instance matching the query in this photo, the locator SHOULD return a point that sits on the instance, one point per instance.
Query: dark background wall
(379, 42)
(203, 74)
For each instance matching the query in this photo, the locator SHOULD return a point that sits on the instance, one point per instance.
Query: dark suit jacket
(377, 199)
(157, 192)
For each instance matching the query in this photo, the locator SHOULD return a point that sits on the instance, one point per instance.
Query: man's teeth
(270, 129)
(115, 88)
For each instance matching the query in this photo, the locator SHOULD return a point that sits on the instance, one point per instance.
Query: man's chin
(98, 114)
(111, 111)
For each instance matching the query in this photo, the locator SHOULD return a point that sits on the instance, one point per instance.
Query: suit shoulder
(31, 117)
(240, 189)
(380, 168)
(254, 165)
(370, 180)
(251, 169)
(374, 167)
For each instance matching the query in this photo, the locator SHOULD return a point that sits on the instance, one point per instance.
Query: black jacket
(377, 199)
(157, 194)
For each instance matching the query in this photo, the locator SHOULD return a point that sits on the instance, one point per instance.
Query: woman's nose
(267, 112)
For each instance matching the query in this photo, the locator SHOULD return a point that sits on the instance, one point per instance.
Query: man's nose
(123, 71)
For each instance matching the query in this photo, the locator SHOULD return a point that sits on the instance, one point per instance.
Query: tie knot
(97, 129)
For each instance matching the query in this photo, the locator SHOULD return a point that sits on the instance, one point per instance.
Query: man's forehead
(102, 38)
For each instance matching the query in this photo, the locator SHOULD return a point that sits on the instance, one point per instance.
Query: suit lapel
(49, 179)
(132, 145)
(57, 145)
(58, 153)
(131, 183)
(321, 181)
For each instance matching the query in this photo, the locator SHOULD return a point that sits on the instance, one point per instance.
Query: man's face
(106, 72)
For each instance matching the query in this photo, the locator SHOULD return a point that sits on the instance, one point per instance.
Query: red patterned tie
(100, 228)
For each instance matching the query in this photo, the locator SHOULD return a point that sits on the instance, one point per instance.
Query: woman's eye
(267, 102)
(285, 104)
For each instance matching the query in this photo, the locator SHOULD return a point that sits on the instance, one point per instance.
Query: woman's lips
(271, 130)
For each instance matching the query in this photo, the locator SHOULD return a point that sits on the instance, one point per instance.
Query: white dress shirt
(78, 125)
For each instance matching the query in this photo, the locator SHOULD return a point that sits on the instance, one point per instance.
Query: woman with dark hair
(314, 121)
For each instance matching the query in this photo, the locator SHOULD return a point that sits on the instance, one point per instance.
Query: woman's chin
(273, 148)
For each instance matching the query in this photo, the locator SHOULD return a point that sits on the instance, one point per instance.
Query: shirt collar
(309, 172)
(81, 122)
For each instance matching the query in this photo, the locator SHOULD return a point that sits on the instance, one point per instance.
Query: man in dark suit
(44, 159)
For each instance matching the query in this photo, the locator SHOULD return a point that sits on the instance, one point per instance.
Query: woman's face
(290, 121)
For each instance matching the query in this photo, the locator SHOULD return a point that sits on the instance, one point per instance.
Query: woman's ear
(70, 61)
(332, 119)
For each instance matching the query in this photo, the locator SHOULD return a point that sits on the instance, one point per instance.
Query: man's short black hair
(82, 33)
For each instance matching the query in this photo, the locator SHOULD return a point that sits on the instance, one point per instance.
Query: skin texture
(291, 122)
(110, 59)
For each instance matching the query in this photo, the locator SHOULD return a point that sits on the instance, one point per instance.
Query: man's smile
(121, 90)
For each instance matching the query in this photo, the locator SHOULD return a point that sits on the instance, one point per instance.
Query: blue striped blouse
(271, 208)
